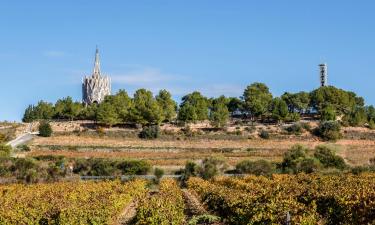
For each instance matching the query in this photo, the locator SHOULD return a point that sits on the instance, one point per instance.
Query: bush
(295, 129)
(293, 158)
(359, 169)
(134, 167)
(23, 148)
(107, 167)
(45, 129)
(329, 130)
(264, 134)
(259, 167)
(150, 132)
(308, 165)
(191, 170)
(5, 150)
(159, 173)
(328, 158)
(212, 167)
(371, 125)
(25, 168)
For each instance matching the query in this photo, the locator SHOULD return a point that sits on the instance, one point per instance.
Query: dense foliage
(310, 199)
(150, 132)
(256, 103)
(67, 202)
(53, 168)
(45, 129)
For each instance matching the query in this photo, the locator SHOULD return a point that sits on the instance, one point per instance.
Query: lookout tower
(96, 86)
(323, 74)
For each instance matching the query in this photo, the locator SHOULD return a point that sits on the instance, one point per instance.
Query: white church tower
(95, 87)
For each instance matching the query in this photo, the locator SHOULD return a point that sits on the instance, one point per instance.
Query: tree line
(256, 104)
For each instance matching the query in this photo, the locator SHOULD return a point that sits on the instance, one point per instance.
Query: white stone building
(96, 86)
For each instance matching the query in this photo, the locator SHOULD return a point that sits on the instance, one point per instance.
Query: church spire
(97, 64)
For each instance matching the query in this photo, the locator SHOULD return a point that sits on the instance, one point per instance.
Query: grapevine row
(164, 208)
(66, 202)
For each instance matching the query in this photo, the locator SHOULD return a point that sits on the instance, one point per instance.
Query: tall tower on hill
(323, 74)
(96, 86)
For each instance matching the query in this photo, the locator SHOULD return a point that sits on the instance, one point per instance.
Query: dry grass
(177, 152)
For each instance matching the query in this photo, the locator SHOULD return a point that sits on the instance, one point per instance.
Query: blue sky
(214, 46)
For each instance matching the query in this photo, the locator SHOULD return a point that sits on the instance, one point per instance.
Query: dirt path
(128, 214)
(194, 207)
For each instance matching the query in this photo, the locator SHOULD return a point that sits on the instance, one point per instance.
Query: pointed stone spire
(97, 64)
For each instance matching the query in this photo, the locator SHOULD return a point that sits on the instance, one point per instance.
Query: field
(305, 199)
(173, 153)
(66, 203)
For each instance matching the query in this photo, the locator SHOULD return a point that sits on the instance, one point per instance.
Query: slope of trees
(256, 103)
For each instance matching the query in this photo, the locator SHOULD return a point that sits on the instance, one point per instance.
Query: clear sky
(214, 46)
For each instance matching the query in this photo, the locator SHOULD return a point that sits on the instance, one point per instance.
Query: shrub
(25, 168)
(259, 167)
(292, 159)
(328, 158)
(150, 132)
(45, 129)
(134, 167)
(212, 167)
(264, 134)
(191, 170)
(359, 169)
(159, 173)
(371, 125)
(329, 130)
(308, 165)
(294, 129)
(5, 150)
(23, 148)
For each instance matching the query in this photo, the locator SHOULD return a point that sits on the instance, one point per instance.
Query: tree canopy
(257, 103)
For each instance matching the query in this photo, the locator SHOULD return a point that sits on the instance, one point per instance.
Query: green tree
(107, 114)
(167, 105)
(197, 109)
(219, 113)
(342, 101)
(42, 111)
(235, 105)
(358, 117)
(67, 109)
(328, 113)
(89, 112)
(279, 109)
(122, 104)
(187, 113)
(297, 102)
(257, 99)
(146, 109)
(29, 114)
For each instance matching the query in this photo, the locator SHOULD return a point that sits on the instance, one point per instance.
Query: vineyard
(304, 199)
(66, 203)
(309, 199)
